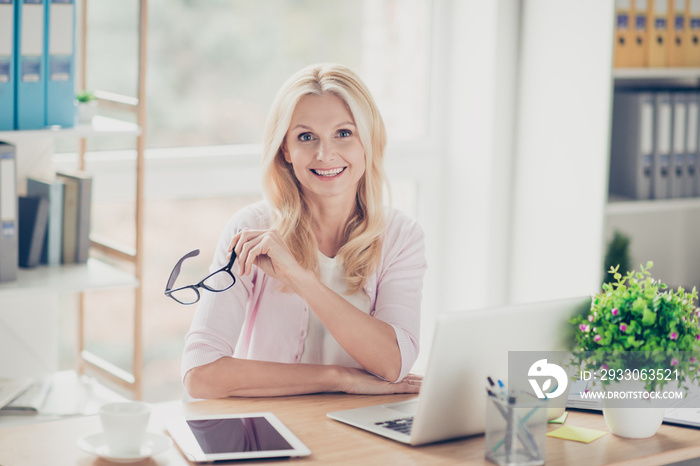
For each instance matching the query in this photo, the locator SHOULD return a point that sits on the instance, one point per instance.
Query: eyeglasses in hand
(218, 281)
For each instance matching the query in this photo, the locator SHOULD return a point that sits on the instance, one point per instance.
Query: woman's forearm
(370, 341)
(229, 376)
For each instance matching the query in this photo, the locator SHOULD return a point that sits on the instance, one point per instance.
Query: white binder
(690, 187)
(82, 183)
(663, 129)
(632, 147)
(677, 175)
(8, 213)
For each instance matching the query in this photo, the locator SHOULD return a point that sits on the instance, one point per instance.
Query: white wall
(562, 148)
(479, 134)
(525, 162)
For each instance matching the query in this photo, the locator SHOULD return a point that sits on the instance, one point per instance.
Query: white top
(320, 347)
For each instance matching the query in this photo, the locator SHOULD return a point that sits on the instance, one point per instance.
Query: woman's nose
(325, 151)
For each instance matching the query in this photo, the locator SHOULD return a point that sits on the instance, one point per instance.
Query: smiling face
(324, 148)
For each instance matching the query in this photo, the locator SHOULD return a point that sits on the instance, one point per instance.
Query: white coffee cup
(124, 425)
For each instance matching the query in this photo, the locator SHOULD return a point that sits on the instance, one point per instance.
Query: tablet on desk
(234, 437)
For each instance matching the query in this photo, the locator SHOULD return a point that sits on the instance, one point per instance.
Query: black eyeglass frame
(176, 272)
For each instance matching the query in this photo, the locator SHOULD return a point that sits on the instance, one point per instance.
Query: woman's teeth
(332, 172)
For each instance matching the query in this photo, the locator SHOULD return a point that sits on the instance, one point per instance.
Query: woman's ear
(285, 151)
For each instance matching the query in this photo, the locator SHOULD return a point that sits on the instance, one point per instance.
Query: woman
(329, 280)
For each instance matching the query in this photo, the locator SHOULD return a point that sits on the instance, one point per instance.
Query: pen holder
(515, 435)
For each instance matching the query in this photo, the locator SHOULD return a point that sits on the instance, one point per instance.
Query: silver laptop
(467, 348)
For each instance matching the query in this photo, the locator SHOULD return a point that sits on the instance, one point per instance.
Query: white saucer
(96, 444)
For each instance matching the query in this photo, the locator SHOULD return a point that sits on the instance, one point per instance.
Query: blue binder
(60, 66)
(30, 103)
(7, 66)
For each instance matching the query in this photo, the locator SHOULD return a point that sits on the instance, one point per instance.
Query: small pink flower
(604, 367)
(673, 336)
(586, 328)
(623, 327)
(597, 338)
(697, 337)
(590, 318)
(615, 311)
(692, 359)
(674, 362)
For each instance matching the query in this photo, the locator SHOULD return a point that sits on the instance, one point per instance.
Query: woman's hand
(351, 327)
(267, 250)
(359, 382)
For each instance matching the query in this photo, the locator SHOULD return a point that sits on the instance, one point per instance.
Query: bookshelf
(662, 230)
(69, 278)
(39, 287)
(133, 256)
(624, 75)
(101, 126)
(621, 206)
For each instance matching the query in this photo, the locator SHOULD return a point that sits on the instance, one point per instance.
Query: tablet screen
(237, 435)
(219, 437)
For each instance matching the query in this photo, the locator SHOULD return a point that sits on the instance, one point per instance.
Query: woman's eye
(344, 133)
(305, 137)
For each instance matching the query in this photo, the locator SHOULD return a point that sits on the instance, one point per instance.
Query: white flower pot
(633, 422)
(87, 111)
(638, 421)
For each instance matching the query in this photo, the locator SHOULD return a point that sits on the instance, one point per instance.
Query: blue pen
(503, 388)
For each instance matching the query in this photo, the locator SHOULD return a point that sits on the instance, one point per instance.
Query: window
(214, 66)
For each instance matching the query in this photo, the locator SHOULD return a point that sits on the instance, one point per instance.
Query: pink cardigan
(255, 320)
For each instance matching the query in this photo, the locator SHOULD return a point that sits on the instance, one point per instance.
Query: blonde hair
(361, 252)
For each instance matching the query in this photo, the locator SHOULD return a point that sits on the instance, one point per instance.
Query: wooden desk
(331, 442)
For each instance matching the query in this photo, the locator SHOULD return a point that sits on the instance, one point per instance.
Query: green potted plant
(87, 106)
(640, 331)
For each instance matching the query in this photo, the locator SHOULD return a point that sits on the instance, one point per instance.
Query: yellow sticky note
(560, 419)
(577, 434)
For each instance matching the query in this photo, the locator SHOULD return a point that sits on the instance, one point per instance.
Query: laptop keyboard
(400, 425)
